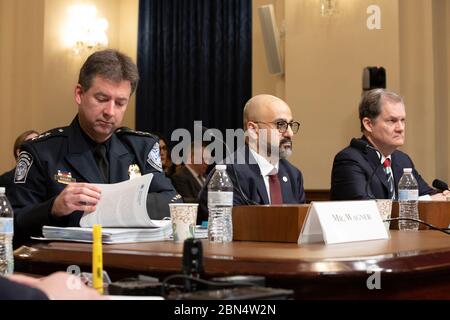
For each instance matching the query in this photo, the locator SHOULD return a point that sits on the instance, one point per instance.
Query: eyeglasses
(282, 125)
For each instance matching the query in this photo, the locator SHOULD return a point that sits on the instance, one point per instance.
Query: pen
(97, 258)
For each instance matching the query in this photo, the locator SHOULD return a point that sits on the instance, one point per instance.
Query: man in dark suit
(53, 183)
(189, 178)
(382, 116)
(260, 167)
(57, 286)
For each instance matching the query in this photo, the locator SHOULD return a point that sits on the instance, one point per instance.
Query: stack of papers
(122, 213)
(116, 235)
(109, 235)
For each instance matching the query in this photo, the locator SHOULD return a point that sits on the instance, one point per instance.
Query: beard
(283, 150)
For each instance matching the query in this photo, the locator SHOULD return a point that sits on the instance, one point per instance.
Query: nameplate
(342, 221)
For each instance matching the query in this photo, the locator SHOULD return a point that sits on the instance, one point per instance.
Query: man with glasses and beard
(259, 167)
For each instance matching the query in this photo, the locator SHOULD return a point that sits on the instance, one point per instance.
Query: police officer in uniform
(55, 171)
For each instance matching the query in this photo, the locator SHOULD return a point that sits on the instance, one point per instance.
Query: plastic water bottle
(220, 206)
(408, 196)
(6, 235)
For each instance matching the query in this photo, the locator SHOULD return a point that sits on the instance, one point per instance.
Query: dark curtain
(194, 59)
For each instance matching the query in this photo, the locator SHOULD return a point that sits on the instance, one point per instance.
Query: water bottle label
(220, 198)
(6, 225)
(404, 195)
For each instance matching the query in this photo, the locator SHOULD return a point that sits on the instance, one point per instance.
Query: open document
(123, 204)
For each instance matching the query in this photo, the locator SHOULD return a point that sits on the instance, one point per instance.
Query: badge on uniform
(154, 159)
(22, 167)
(134, 171)
(64, 177)
(176, 198)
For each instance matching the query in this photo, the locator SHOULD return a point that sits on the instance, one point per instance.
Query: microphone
(238, 184)
(364, 146)
(192, 265)
(440, 185)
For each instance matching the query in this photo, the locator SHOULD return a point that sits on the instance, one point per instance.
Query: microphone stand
(363, 146)
(238, 185)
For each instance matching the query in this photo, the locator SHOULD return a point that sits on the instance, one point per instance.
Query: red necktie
(275, 189)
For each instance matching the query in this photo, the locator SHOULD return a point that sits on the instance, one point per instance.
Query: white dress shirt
(266, 169)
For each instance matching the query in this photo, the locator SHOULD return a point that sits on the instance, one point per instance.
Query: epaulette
(58, 132)
(126, 130)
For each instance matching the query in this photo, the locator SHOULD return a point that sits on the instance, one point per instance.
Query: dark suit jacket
(10, 290)
(186, 184)
(353, 167)
(252, 182)
(67, 150)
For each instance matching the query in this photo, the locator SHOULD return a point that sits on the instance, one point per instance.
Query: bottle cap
(407, 170)
(2, 189)
(221, 167)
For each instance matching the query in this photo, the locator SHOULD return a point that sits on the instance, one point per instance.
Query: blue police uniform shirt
(59, 156)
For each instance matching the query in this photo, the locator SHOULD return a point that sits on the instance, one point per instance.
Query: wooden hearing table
(410, 265)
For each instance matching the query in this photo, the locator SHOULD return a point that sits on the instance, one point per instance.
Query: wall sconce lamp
(84, 30)
(328, 7)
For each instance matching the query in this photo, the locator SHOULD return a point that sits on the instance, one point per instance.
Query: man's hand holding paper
(76, 197)
(122, 204)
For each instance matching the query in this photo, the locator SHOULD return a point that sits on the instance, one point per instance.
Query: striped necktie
(390, 178)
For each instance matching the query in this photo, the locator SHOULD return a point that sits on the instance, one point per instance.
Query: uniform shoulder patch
(125, 130)
(154, 159)
(23, 165)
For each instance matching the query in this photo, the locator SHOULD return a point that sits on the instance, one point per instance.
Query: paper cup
(184, 218)
(385, 209)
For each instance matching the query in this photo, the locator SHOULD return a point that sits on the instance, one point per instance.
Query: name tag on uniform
(64, 177)
(134, 171)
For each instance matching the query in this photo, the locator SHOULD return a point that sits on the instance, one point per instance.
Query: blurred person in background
(168, 166)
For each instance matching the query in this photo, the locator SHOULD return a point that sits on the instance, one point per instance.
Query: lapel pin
(285, 179)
